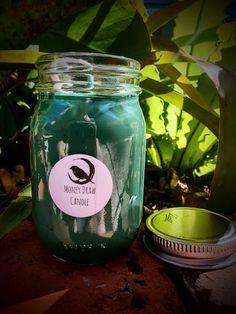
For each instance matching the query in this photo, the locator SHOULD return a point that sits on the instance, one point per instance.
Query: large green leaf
(53, 41)
(203, 36)
(163, 91)
(201, 16)
(162, 16)
(18, 210)
(197, 30)
(196, 20)
(207, 164)
(161, 141)
(133, 42)
(152, 153)
(198, 144)
(167, 93)
(176, 139)
(184, 83)
(114, 27)
(56, 39)
(225, 48)
(207, 88)
(74, 32)
(89, 22)
(140, 7)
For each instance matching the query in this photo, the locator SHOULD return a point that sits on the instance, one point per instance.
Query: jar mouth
(84, 72)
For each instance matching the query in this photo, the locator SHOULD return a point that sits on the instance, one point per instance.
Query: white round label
(80, 185)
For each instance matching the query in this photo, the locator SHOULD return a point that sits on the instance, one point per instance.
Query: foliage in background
(180, 90)
(178, 139)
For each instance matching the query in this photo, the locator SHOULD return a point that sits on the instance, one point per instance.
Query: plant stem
(223, 196)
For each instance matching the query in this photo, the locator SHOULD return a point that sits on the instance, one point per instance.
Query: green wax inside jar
(110, 129)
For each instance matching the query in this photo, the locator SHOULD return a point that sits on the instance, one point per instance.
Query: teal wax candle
(87, 156)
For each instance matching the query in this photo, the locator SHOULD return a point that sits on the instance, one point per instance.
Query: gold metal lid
(190, 236)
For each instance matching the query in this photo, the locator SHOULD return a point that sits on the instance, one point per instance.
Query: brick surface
(33, 281)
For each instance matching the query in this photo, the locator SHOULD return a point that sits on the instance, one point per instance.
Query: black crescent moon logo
(83, 177)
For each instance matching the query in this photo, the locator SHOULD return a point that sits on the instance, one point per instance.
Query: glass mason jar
(87, 155)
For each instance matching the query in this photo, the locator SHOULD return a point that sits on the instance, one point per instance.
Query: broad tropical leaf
(226, 44)
(210, 119)
(199, 34)
(161, 17)
(176, 140)
(87, 23)
(140, 7)
(201, 37)
(184, 83)
(114, 27)
(55, 40)
(207, 88)
(200, 141)
(202, 17)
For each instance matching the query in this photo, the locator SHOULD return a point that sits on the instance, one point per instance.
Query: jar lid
(191, 237)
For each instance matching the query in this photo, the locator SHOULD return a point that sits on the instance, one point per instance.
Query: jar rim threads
(93, 73)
